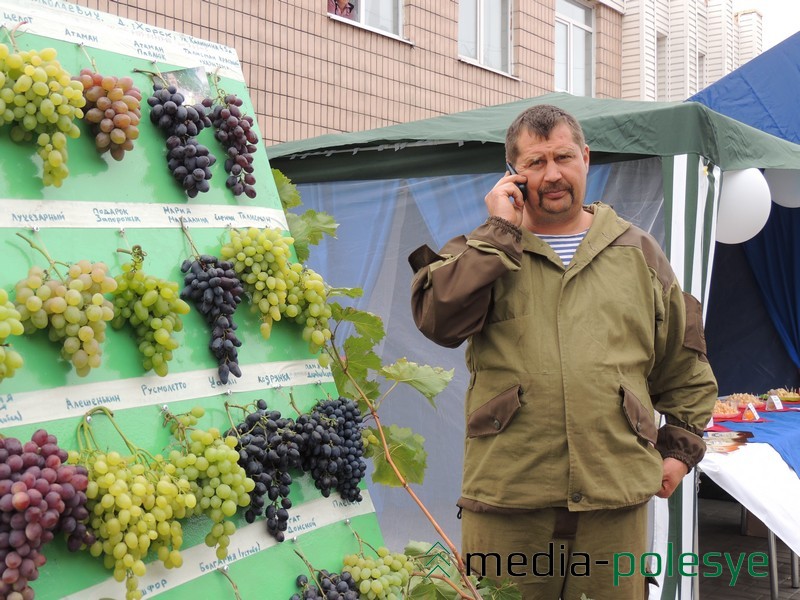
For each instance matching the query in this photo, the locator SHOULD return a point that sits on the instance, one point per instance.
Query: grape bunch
(38, 96)
(10, 324)
(187, 159)
(74, 310)
(135, 504)
(214, 288)
(385, 576)
(332, 586)
(333, 448)
(153, 307)
(113, 110)
(40, 496)
(278, 286)
(268, 449)
(209, 463)
(234, 130)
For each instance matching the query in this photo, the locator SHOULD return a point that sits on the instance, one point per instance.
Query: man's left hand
(674, 472)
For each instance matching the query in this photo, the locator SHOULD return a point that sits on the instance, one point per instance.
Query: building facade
(328, 66)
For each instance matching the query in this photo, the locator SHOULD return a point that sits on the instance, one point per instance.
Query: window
(383, 15)
(574, 65)
(484, 32)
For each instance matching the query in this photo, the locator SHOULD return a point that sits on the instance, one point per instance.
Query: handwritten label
(774, 403)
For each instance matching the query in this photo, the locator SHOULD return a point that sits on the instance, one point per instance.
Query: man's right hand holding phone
(507, 198)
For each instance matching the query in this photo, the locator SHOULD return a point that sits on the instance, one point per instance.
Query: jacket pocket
(694, 337)
(639, 418)
(494, 416)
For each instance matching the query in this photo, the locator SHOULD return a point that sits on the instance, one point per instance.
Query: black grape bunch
(187, 159)
(333, 450)
(235, 131)
(327, 586)
(268, 450)
(213, 287)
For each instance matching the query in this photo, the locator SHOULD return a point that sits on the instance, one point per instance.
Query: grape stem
(310, 568)
(11, 33)
(231, 581)
(404, 482)
(40, 248)
(89, 58)
(152, 74)
(189, 237)
(362, 542)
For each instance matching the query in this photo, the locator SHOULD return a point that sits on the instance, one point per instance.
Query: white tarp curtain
(382, 222)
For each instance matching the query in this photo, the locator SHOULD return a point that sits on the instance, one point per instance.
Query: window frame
(571, 25)
(480, 60)
(359, 21)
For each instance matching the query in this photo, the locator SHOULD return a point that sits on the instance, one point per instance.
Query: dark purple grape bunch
(333, 450)
(40, 496)
(332, 586)
(235, 131)
(215, 290)
(268, 451)
(187, 159)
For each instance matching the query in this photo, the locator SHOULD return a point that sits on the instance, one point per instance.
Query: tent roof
(473, 140)
(762, 92)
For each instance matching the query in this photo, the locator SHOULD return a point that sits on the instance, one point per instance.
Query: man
(568, 358)
(342, 8)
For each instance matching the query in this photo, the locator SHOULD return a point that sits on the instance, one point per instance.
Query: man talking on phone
(577, 332)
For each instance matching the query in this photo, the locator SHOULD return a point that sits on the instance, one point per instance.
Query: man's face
(556, 169)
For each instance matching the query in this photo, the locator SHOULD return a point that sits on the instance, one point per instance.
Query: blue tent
(753, 323)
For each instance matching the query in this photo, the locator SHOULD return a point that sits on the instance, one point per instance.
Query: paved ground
(719, 530)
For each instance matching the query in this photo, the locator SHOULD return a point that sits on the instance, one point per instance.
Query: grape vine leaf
(366, 324)
(307, 229)
(433, 590)
(408, 454)
(429, 381)
(504, 590)
(287, 191)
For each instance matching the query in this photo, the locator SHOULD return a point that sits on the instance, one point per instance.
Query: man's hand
(504, 200)
(674, 472)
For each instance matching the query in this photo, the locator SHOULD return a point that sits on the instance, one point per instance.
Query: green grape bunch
(209, 462)
(385, 576)
(153, 307)
(279, 287)
(136, 505)
(41, 101)
(74, 310)
(10, 324)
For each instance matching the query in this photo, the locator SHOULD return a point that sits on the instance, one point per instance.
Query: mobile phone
(522, 187)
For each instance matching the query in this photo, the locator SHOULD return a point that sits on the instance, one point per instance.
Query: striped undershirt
(564, 245)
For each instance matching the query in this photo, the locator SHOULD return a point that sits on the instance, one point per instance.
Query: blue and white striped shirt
(564, 245)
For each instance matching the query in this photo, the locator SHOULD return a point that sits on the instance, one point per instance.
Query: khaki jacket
(567, 365)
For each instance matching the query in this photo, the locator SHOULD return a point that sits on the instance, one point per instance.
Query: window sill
(358, 25)
(475, 63)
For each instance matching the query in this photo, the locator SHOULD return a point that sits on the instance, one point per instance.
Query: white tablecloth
(757, 476)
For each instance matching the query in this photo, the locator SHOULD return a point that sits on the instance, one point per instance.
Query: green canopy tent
(660, 164)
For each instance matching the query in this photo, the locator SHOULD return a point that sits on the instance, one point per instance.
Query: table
(763, 483)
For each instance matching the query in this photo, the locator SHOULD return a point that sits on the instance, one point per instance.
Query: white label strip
(36, 406)
(250, 539)
(69, 22)
(74, 213)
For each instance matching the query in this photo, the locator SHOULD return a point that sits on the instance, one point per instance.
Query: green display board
(104, 205)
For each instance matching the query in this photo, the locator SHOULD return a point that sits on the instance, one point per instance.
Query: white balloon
(744, 205)
(784, 185)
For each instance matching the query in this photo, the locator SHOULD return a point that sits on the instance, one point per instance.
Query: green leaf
(432, 589)
(307, 229)
(349, 292)
(287, 191)
(429, 381)
(366, 323)
(417, 548)
(505, 590)
(408, 454)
